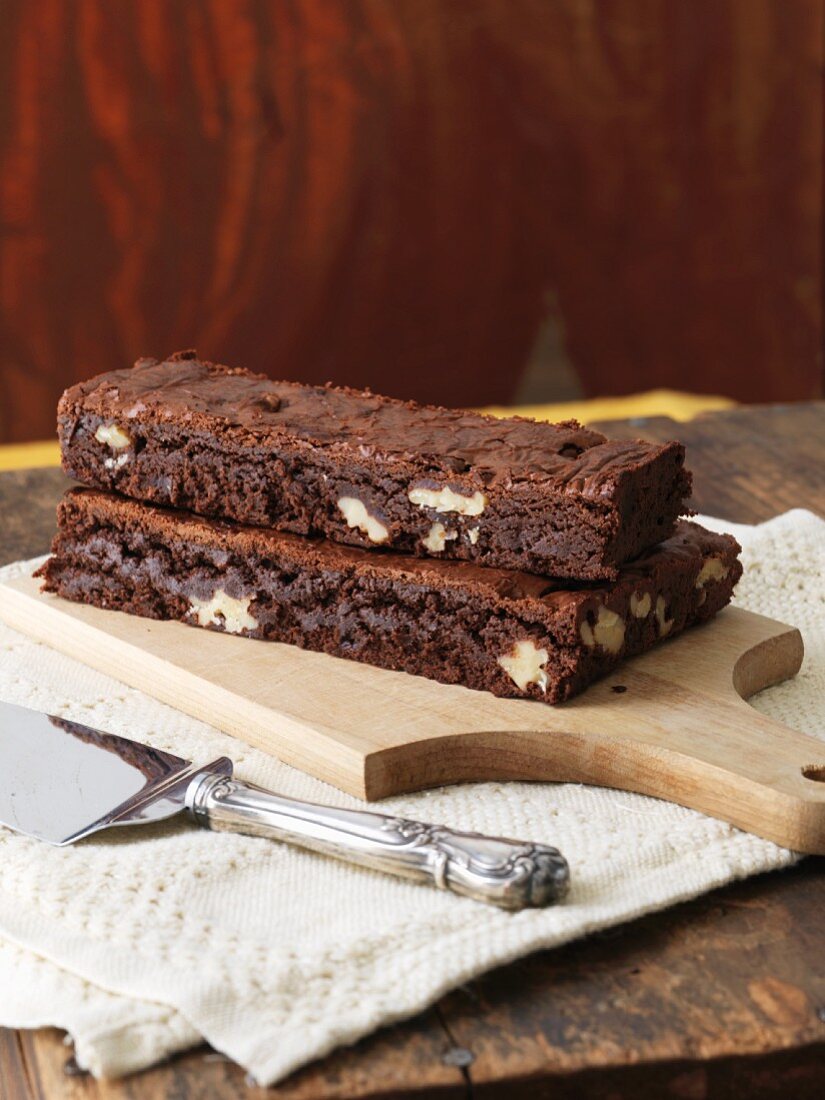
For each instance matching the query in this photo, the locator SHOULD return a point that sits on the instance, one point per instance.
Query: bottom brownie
(513, 634)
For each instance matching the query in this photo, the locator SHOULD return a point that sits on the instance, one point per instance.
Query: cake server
(61, 781)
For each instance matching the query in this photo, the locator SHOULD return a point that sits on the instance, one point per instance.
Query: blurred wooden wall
(401, 193)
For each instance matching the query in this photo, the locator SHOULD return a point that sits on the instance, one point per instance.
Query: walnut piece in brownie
(371, 471)
(514, 634)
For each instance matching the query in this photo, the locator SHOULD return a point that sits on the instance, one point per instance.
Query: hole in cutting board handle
(816, 772)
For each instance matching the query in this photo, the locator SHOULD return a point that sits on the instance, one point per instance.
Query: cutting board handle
(678, 730)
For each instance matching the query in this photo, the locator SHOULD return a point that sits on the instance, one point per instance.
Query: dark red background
(405, 194)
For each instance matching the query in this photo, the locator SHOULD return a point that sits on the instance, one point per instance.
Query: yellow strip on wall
(676, 405)
(20, 456)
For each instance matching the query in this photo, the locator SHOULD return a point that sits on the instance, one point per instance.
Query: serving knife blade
(61, 781)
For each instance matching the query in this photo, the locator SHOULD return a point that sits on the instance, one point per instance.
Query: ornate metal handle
(512, 874)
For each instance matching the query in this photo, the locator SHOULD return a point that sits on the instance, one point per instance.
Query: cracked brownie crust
(370, 471)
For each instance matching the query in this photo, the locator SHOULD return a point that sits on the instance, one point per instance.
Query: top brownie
(358, 468)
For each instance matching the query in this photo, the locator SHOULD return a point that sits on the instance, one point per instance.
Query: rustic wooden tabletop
(722, 996)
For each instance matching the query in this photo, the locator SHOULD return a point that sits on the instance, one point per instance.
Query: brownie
(514, 634)
(371, 471)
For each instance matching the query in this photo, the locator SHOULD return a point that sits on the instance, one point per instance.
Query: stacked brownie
(517, 557)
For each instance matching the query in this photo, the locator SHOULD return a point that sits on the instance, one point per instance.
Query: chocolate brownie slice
(554, 499)
(514, 634)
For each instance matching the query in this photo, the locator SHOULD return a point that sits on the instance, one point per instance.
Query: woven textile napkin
(145, 941)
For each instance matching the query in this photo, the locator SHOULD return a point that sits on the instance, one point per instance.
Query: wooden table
(721, 996)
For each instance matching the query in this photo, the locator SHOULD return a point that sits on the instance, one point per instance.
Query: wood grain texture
(685, 249)
(295, 187)
(404, 194)
(656, 1008)
(377, 1067)
(721, 997)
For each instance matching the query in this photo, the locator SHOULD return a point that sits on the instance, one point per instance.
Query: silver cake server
(60, 782)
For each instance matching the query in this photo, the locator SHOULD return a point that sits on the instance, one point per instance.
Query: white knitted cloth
(139, 942)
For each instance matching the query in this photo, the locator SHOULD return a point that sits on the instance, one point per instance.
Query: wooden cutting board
(671, 723)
